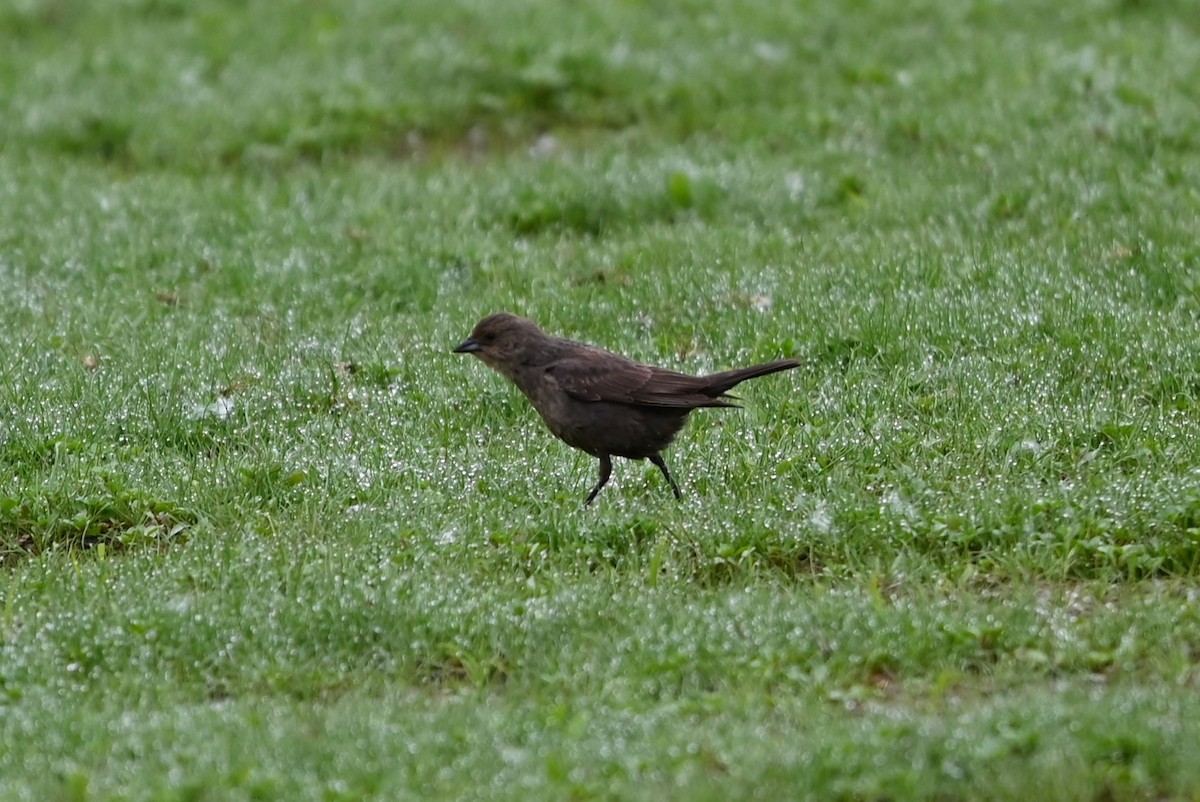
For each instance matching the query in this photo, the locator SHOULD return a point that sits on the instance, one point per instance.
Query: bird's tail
(717, 384)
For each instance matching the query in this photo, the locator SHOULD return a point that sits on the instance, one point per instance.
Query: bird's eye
(489, 338)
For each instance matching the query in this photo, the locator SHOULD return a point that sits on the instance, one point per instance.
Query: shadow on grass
(596, 210)
(655, 549)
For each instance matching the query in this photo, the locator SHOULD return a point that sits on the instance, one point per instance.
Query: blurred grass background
(264, 537)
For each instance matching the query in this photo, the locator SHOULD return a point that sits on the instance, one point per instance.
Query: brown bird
(598, 401)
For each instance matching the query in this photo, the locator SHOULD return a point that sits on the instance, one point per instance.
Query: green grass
(263, 537)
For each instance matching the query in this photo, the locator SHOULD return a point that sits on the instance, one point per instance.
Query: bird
(600, 402)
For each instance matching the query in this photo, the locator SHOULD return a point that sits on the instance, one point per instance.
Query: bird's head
(501, 340)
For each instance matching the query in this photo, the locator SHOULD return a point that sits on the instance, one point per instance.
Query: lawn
(263, 536)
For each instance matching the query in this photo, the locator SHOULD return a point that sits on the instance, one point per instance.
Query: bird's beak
(467, 346)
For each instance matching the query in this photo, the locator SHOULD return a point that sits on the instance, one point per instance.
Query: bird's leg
(662, 466)
(605, 472)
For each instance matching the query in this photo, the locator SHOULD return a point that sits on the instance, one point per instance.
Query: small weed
(112, 520)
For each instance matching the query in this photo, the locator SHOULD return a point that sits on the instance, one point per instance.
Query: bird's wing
(620, 381)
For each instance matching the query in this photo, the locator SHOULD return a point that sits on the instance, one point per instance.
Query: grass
(262, 536)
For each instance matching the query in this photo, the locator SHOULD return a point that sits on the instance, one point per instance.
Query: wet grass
(263, 536)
